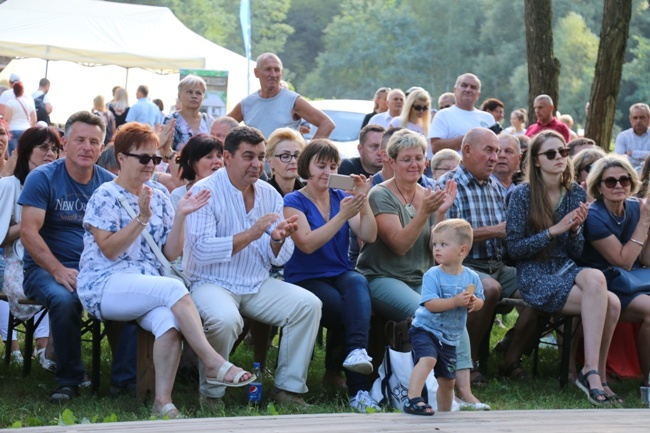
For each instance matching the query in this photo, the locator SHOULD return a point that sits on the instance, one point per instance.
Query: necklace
(307, 194)
(614, 217)
(410, 209)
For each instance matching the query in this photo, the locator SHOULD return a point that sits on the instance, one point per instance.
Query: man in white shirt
(450, 125)
(230, 245)
(395, 103)
(635, 142)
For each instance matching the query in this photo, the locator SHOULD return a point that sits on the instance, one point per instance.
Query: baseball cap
(14, 78)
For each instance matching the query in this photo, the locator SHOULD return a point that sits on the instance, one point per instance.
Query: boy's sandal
(417, 406)
(594, 395)
(613, 398)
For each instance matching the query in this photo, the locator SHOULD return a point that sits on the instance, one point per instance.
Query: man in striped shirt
(230, 245)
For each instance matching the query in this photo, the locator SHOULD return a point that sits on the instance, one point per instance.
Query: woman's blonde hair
(422, 96)
(598, 170)
(280, 135)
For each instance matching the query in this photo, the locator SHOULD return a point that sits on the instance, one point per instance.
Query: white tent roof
(107, 33)
(89, 31)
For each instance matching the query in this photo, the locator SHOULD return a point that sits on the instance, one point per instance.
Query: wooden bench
(145, 381)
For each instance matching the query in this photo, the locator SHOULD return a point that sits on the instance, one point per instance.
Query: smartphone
(340, 181)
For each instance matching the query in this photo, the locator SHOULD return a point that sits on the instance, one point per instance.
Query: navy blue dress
(600, 225)
(539, 281)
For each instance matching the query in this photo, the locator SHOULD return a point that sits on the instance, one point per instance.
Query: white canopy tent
(69, 33)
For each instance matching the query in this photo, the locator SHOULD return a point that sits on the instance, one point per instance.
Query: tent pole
(126, 82)
(47, 64)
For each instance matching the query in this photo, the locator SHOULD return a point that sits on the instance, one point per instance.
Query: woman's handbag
(627, 282)
(169, 270)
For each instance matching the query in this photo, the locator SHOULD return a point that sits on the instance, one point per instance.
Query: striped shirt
(481, 206)
(209, 232)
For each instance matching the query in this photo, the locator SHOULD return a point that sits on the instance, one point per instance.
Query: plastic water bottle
(255, 388)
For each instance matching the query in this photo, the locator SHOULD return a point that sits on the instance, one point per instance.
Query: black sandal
(613, 398)
(514, 372)
(477, 379)
(412, 406)
(593, 394)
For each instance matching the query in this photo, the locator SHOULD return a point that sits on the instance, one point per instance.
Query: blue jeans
(13, 141)
(125, 359)
(65, 323)
(346, 314)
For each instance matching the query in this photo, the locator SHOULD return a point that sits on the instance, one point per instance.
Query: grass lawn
(24, 402)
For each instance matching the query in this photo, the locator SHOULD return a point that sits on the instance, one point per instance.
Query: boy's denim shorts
(425, 344)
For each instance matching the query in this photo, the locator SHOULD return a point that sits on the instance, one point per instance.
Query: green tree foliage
(577, 48)
(390, 52)
(309, 20)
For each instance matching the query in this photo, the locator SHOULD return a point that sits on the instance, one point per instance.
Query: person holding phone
(325, 218)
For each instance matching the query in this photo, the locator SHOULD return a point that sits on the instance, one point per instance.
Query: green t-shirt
(377, 260)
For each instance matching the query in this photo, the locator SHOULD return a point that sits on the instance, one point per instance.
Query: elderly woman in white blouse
(121, 278)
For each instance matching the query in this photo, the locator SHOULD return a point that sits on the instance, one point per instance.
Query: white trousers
(276, 303)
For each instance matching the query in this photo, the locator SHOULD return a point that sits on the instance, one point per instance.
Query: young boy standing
(449, 292)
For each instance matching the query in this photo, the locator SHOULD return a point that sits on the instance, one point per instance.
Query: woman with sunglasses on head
(582, 163)
(544, 234)
(416, 113)
(617, 233)
(37, 146)
(120, 277)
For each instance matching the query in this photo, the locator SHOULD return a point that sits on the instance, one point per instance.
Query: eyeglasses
(444, 106)
(550, 154)
(144, 159)
(46, 147)
(420, 107)
(587, 167)
(611, 182)
(287, 157)
(409, 161)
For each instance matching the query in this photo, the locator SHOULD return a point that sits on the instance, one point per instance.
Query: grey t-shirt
(269, 114)
(377, 260)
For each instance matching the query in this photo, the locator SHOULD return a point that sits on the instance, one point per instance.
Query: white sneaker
(17, 357)
(473, 406)
(358, 361)
(363, 403)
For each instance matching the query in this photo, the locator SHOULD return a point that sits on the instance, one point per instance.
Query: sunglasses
(420, 107)
(144, 159)
(587, 167)
(611, 182)
(550, 154)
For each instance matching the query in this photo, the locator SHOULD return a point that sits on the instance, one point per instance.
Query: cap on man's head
(14, 78)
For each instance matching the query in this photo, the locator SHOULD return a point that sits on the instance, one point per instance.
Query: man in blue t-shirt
(54, 200)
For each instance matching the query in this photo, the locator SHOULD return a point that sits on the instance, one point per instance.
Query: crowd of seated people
(296, 254)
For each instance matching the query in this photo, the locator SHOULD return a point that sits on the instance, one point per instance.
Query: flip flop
(169, 410)
(222, 373)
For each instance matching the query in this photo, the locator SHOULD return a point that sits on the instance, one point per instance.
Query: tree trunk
(609, 68)
(543, 67)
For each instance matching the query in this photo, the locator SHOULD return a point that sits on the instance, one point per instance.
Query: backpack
(41, 111)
